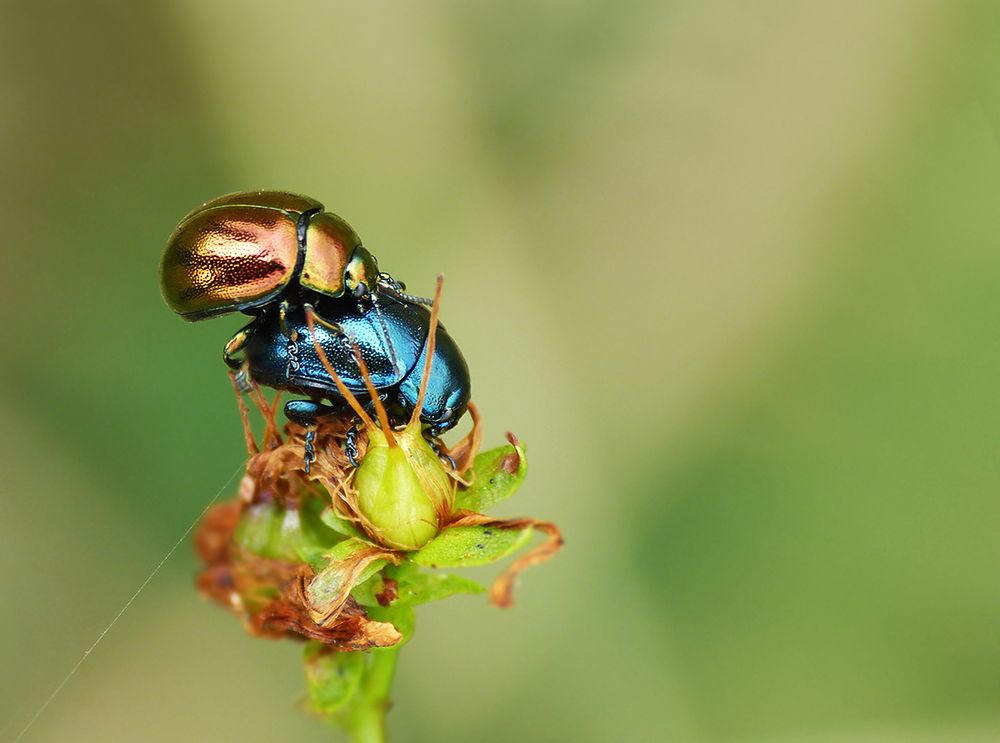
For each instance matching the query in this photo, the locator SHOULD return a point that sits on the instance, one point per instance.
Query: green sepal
(413, 586)
(366, 592)
(468, 546)
(496, 475)
(339, 524)
(279, 533)
(314, 558)
(417, 587)
(332, 677)
(255, 531)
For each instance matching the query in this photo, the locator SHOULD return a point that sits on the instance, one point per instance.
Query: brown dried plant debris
(279, 471)
(351, 631)
(389, 592)
(269, 595)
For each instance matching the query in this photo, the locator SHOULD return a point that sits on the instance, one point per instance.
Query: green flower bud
(404, 492)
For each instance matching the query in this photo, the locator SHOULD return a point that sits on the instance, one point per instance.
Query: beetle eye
(359, 291)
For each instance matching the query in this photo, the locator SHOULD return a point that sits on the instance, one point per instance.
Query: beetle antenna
(341, 387)
(383, 416)
(396, 293)
(431, 337)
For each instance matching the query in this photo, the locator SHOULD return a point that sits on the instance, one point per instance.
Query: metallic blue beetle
(277, 350)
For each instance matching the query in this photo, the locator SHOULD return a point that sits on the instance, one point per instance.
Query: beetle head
(361, 273)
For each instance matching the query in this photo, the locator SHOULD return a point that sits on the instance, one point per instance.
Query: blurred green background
(730, 269)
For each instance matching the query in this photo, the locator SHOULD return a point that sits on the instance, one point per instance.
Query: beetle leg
(351, 444)
(305, 412)
(435, 443)
(335, 327)
(283, 317)
(309, 453)
(244, 414)
(233, 357)
(351, 437)
(235, 345)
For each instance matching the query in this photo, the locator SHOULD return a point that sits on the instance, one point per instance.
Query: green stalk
(365, 718)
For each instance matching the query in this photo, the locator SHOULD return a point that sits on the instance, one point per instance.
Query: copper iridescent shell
(241, 251)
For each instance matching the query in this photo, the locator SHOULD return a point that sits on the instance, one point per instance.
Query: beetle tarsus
(242, 379)
(351, 444)
(309, 453)
(438, 447)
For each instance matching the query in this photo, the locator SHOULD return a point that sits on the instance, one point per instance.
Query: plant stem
(365, 721)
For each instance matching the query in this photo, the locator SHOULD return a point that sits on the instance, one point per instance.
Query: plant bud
(403, 492)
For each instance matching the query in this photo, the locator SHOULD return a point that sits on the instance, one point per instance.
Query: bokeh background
(730, 269)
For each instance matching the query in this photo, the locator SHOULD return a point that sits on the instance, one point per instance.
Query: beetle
(276, 349)
(245, 251)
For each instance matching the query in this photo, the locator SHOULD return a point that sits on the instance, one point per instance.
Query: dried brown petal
(215, 532)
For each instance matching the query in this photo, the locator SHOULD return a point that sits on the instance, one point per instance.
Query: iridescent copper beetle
(245, 250)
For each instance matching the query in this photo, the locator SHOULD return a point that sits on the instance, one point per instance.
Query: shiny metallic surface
(282, 355)
(361, 269)
(227, 258)
(330, 244)
(288, 202)
(272, 363)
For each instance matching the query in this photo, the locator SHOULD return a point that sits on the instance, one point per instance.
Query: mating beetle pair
(281, 258)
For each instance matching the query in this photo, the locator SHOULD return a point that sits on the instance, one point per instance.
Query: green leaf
(366, 592)
(496, 475)
(316, 531)
(339, 524)
(412, 587)
(315, 557)
(417, 587)
(467, 546)
(279, 533)
(332, 677)
(319, 561)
